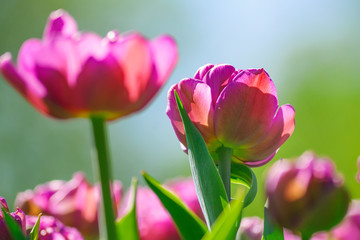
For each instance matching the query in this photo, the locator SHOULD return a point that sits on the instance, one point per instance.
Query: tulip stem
(103, 162)
(225, 168)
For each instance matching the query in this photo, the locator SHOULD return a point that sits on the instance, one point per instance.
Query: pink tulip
(71, 74)
(154, 221)
(18, 216)
(52, 229)
(306, 195)
(237, 109)
(75, 203)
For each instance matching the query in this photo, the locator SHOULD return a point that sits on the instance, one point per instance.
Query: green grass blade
(190, 226)
(126, 227)
(209, 187)
(34, 234)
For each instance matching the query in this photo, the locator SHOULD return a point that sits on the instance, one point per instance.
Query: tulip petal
(201, 72)
(133, 54)
(281, 129)
(257, 78)
(32, 92)
(243, 114)
(217, 77)
(165, 55)
(100, 89)
(196, 97)
(59, 23)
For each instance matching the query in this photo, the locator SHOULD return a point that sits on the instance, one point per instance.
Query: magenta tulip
(306, 195)
(154, 221)
(18, 216)
(52, 229)
(72, 74)
(75, 203)
(236, 109)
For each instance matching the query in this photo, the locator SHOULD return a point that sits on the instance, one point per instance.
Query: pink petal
(101, 89)
(281, 129)
(134, 56)
(165, 55)
(217, 77)
(196, 98)
(33, 93)
(257, 78)
(60, 23)
(174, 116)
(200, 73)
(243, 115)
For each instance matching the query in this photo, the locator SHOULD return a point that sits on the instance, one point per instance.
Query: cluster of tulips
(227, 121)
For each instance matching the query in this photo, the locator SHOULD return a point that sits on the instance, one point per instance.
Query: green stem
(103, 160)
(225, 168)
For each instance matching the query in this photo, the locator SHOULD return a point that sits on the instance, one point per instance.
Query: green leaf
(189, 225)
(243, 176)
(208, 184)
(34, 234)
(272, 231)
(13, 227)
(227, 224)
(126, 227)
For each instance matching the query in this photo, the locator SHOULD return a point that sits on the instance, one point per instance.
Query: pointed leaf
(242, 175)
(208, 184)
(34, 234)
(272, 231)
(126, 227)
(13, 227)
(227, 224)
(189, 225)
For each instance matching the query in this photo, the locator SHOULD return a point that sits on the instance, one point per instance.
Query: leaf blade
(126, 227)
(34, 234)
(227, 224)
(189, 225)
(272, 231)
(242, 174)
(209, 187)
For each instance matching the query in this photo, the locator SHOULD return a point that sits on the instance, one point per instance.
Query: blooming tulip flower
(75, 203)
(18, 216)
(306, 195)
(236, 109)
(154, 222)
(52, 229)
(71, 74)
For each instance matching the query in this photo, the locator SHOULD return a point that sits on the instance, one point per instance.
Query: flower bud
(18, 216)
(306, 195)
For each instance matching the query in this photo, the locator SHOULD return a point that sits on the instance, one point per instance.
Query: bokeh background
(311, 49)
